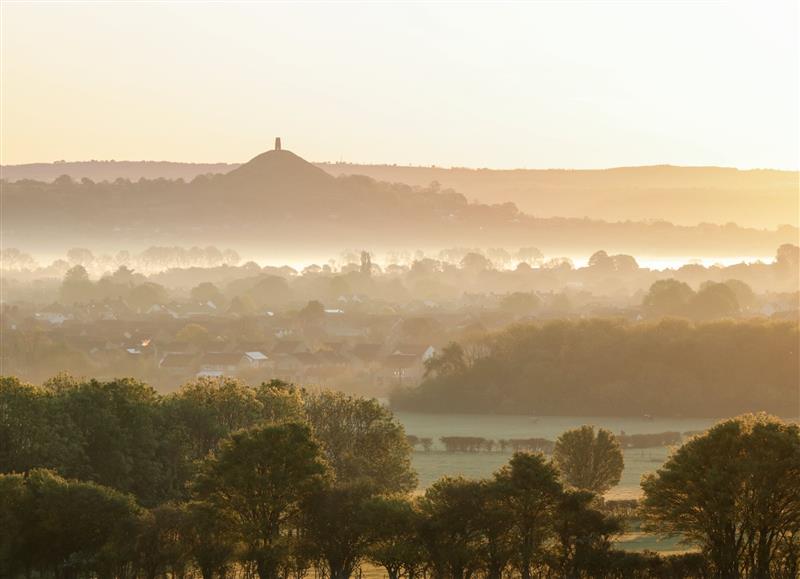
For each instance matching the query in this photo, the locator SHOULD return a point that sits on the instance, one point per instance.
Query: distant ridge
(762, 198)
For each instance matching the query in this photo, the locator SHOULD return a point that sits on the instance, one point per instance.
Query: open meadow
(437, 463)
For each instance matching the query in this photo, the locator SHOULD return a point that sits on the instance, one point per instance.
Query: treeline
(222, 480)
(277, 195)
(123, 434)
(480, 444)
(543, 445)
(152, 259)
(611, 367)
(517, 282)
(109, 479)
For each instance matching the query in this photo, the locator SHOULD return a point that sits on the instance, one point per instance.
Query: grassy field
(436, 463)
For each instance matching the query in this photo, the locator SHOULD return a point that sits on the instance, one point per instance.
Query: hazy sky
(541, 84)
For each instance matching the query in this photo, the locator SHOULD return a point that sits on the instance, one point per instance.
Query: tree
(625, 263)
(337, 525)
(280, 401)
(312, 313)
(528, 488)
(195, 335)
(207, 292)
(259, 478)
(147, 295)
(745, 296)
(583, 534)
(589, 461)
(735, 492)
(520, 303)
(714, 300)
(14, 259)
(207, 536)
(449, 532)
(475, 263)
(120, 432)
(530, 255)
(496, 525)
(270, 291)
(362, 440)
(76, 286)
(395, 545)
(73, 528)
(34, 432)
(667, 297)
(601, 262)
(787, 260)
(160, 545)
(366, 264)
(241, 306)
(209, 409)
(17, 547)
(450, 361)
(80, 256)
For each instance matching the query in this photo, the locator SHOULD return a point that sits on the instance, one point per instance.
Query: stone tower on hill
(277, 143)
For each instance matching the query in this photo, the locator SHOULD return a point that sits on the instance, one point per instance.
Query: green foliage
(33, 430)
(161, 547)
(122, 434)
(529, 490)
(667, 297)
(194, 335)
(362, 440)
(395, 544)
(208, 410)
(283, 480)
(207, 292)
(209, 539)
(76, 287)
(583, 534)
(146, 295)
(338, 526)
(587, 460)
(449, 531)
(73, 528)
(714, 301)
(118, 425)
(260, 478)
(611, 367)
(735, 491)
(449, 361)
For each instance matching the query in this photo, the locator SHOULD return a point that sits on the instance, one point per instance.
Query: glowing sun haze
(574, 84)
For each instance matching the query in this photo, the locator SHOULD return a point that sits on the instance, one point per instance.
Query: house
(256, 359)
(422, 351)
(222, 362)
(402, 368)
(177, 363)
(406, 363)
(53, 318)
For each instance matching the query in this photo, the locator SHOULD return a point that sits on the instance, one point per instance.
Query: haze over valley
(386, 290)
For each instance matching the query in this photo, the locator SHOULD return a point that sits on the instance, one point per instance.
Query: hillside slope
(681, 195)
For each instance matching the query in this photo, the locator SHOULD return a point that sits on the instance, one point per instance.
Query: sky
(574, 84)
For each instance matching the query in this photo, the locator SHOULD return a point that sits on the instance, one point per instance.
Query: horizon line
(411, 166)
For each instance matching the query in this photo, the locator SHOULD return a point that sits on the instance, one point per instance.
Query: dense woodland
(277, 197)
(684, 195)
(222, 480)
(604, 367)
